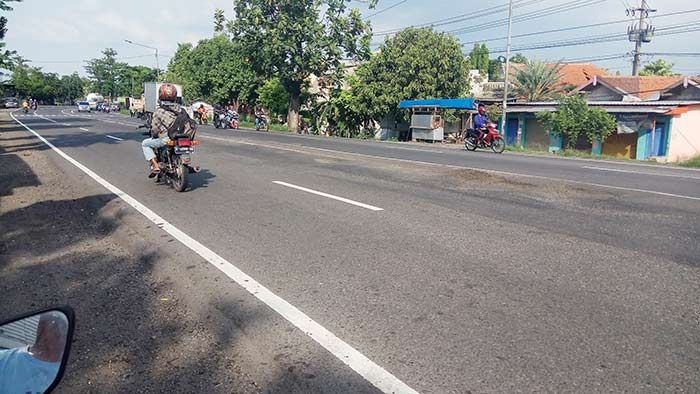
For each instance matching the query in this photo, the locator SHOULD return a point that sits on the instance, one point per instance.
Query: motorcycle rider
(481, 122)
(163, 119)
(259, 116)
(25, 106)
(202, 114)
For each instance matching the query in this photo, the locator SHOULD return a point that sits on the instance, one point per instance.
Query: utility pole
(505, 85)
(641, 32)
(149, 47)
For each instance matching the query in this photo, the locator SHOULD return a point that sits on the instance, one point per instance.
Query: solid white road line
(373, 373)
(84, 129)
(345, 200)
(114, 138)
(640, 172)
(497, 172)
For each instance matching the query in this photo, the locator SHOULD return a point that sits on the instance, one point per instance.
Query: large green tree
(71, 88)
(538, 81)
(216, 70)
(414, 64)
(104, 72)
(658, 68)
(293, 39)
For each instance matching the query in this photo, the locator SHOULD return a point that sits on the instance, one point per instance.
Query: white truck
(151, 102)
(94, 99)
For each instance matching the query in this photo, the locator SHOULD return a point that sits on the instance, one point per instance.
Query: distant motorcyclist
(202, 114)
(161, 124)
(481, 122)
(25, 106)
(260, 119)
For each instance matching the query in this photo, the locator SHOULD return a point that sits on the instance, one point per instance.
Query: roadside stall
(428, 118)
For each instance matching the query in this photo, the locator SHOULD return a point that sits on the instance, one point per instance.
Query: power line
(563, 29)
(670, 30)
(385, 9)
(463, 17)
(566, 7)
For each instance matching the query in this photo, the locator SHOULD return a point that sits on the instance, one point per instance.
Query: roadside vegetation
(692, 163)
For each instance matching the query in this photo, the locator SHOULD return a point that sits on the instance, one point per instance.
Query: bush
(573, 117)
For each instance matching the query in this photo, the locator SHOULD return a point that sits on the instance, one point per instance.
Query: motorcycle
(175, 162)
(261, 123)
(491, 139)
(226, 119)
(34, 350)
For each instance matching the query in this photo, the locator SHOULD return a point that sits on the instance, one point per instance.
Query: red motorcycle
(491, 139)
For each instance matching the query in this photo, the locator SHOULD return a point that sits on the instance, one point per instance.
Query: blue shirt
(20, 373)
(480, 121)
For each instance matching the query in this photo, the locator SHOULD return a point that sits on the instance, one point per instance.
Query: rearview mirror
(34, 350)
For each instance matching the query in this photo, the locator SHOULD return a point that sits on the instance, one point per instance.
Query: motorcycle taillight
(184, 142)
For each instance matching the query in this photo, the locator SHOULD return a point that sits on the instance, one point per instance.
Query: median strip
(342, 199)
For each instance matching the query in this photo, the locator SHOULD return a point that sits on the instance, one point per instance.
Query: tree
(573, 117)
(537, 81)
(519, 58)
(274, 97)
(215, 70)
(103, 72)
(219, 21)
(658, 68)
(496, 69)
(5, 55)
(479, 59)
(414, 64)
(293, 39)
(71, 88)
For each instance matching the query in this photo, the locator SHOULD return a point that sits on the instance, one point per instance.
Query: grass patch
(124, 111)
(692, 163)
(278, 128)
(565, 153)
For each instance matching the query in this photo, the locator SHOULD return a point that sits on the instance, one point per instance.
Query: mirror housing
(34, 349)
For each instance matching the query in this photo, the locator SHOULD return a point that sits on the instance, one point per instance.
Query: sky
(60, 35)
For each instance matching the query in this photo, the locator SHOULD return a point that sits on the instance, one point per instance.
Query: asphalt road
(480, 273)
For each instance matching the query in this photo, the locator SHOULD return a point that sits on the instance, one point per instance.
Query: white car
(83, 106)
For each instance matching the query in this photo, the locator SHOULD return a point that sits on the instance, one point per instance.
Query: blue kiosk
(427, 122)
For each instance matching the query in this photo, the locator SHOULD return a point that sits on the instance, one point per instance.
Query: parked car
(83, 106)
(11, 103)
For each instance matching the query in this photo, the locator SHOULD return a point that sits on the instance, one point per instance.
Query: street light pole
(149, 47)
(505, 86)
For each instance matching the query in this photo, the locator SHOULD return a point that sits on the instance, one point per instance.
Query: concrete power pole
(641, 32)
(505, 85)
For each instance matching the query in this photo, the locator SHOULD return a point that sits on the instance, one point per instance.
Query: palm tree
(538, 81)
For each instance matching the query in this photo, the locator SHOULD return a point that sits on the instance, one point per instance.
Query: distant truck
(94, 99)
(151, 102)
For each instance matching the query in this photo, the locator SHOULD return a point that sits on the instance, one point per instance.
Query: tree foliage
(274, 97)
(479, 59)
(216, 70)
(293, 39)
(112, 78)
(519, 58)
(537, 81)
(414, 64)
(5, 55)
(658, 68)
(573, 118)
(47, 87)
(219, 21)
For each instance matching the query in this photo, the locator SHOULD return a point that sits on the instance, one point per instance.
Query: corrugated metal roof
(463, 103)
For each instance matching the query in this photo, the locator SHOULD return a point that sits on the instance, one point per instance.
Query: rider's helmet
(482, 109)
(167, 92)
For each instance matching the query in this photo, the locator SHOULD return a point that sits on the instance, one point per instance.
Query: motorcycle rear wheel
(180, 179)
(498, 145)
(470, 144)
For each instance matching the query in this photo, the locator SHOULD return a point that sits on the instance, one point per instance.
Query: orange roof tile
(642, 87)
(574, 74)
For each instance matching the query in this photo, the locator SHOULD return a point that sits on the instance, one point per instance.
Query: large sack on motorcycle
(183, 125)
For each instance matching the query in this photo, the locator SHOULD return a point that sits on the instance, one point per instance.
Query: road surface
(442, 271)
